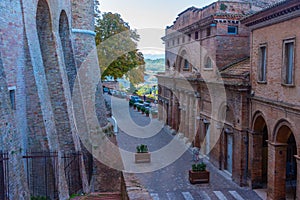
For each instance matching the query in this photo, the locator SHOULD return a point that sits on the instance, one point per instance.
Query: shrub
(142, 148)
(131, 103)
(147, 112)
(199, 167)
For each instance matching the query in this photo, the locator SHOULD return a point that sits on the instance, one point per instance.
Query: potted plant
(138, 107)
(143, 109)
(198, 173)
(147, 112)
(142, 154)
(131, 103)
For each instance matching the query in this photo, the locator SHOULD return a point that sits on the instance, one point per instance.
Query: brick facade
(274, 113)
(204, 93)
(208, 102)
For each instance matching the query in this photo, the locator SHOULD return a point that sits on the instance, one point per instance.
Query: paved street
(170, 181)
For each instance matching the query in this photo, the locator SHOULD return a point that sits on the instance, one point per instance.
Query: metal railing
(42, 174)
(4, 178)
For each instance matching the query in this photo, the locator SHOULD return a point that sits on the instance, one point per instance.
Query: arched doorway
(287, 161)
(259, 167)
(291, 167)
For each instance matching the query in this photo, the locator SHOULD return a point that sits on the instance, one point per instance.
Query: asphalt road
(166, 177)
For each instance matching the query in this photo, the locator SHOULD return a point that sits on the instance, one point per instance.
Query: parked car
(135, 99)
(105, 90)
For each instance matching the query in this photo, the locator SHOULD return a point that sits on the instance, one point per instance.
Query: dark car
(135, 99)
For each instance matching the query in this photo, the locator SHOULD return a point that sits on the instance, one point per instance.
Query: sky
(150, 18)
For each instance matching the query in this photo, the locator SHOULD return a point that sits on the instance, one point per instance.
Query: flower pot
(142, 157)
(198, 176)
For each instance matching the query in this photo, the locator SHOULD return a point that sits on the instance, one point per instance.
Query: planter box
(198, 177)
(142, 157)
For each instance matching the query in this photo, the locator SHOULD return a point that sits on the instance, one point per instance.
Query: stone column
(186, 115)
(298, 177)
(255, 151)
(197, 123)
(174, 112)
(165, 111)
(160, 110)
(192, 118)
(177, 121)
(170, 110)
(277, 170)
(182, 117)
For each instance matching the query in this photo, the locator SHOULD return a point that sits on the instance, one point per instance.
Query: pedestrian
(144, 97)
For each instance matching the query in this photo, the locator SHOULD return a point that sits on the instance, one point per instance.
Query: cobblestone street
(171, 181)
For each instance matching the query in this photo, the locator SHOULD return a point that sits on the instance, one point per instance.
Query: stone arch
(48, 48)
(282, 131)
(66, 44)
(284, 158)
(259, 154)
(258, 121)
(183, 61)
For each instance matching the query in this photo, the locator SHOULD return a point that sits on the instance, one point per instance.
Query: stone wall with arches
(274, 147)
(43, 46)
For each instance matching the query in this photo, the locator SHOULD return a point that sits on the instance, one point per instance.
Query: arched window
(184, 63)
(208, 63)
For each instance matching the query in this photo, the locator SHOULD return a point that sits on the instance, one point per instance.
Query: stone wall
(41, 53)
(10, 142)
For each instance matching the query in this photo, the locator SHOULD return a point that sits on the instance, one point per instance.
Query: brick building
(275, 107)
(46, 49)
(204, 93)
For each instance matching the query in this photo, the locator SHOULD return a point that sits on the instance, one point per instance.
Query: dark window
(12, 96)
(232, 30)
(178, 40)
(173, 42)
(196, 35)
(208, 31)
(186, 65)
(190, 37)
(262, 71)
(288, 62)
(183, 39)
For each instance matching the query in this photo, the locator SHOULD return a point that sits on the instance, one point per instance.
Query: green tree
(117, 48)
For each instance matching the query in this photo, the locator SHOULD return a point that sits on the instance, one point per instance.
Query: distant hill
(157, 65)
(154, 56)
(153, 66)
